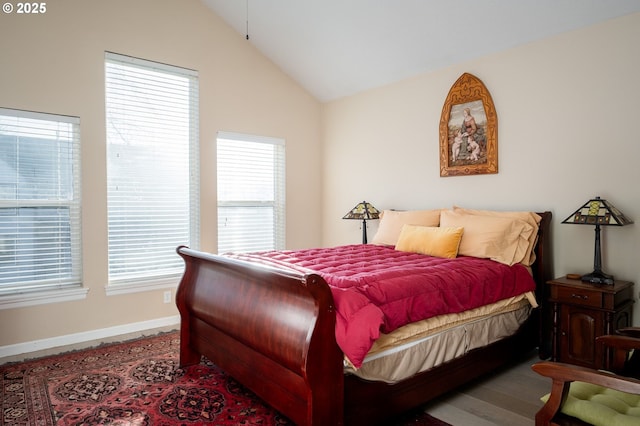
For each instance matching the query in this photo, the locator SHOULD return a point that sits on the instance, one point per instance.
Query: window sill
(126, 287)
(42, 297)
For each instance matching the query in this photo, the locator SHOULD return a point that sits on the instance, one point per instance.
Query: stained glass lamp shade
(363, 211)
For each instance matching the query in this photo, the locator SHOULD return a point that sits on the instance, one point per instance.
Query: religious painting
(468, 130)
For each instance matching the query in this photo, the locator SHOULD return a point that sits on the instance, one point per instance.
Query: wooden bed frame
(273, 330)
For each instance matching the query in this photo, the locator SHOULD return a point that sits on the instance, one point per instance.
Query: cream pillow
(430, 240)
(525, 252)
(391, 222)
(491, 237)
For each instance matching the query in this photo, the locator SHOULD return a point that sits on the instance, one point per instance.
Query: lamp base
(598, 277)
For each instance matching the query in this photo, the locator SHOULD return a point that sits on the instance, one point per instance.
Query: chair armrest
(629, 331)
(615, 349)
(566, 373)
(620, 342)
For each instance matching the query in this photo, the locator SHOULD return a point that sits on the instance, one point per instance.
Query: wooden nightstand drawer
(578, 296)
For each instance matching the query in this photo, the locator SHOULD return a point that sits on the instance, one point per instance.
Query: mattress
(425, 344)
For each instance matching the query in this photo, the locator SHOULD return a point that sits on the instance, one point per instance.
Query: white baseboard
(92, 336)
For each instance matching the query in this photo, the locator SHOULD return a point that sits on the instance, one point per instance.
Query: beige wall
(55, 63)
(566, 106)
(568, 109)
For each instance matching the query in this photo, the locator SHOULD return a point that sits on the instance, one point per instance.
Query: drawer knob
(579, 296)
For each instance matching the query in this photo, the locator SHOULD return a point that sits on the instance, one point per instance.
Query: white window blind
(40, 243)
(251, 193)
(152, 168)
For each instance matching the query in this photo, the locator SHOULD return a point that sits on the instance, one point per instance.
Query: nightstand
(584, 311)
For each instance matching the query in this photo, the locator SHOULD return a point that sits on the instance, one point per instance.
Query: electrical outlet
(167, 296)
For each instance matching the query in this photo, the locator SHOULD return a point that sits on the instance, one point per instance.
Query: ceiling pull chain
(247, 20)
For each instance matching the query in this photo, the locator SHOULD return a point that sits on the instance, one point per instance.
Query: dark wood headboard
(543, 272)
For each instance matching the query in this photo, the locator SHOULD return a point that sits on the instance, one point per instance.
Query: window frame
(278, 204)
(149, 280)
(69, 286)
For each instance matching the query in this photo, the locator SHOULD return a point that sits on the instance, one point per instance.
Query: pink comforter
(378, 289)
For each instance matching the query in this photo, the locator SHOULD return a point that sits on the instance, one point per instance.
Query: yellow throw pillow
(391, 222)
(430, 240)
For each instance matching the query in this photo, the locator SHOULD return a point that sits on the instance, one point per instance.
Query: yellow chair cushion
(601, 406)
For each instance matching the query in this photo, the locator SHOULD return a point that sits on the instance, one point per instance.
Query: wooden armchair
(621, 374)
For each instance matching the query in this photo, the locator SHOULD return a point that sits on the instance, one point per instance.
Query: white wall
(567, 111)
(54, 63)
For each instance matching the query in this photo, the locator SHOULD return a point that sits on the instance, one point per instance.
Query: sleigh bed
(274, 323)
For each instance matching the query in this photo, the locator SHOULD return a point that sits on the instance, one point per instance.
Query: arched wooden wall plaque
(468, 130)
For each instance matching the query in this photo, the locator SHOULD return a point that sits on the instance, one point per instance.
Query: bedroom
(566, 106)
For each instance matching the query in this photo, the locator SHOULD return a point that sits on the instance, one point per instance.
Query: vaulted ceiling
(336, 48)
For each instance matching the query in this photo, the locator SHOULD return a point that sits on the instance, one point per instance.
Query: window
(251, 195)
(40, 244)
(152, 171)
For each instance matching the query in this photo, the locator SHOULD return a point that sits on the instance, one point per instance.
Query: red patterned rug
(134, 383)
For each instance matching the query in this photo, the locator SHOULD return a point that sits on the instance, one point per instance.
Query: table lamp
(598, 212)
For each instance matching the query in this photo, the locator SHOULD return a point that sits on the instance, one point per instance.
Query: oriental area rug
(134, 383)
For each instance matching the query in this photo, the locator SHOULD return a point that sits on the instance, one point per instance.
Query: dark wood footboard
(272, 330)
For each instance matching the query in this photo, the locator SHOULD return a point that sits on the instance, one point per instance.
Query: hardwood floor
(510, 397)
